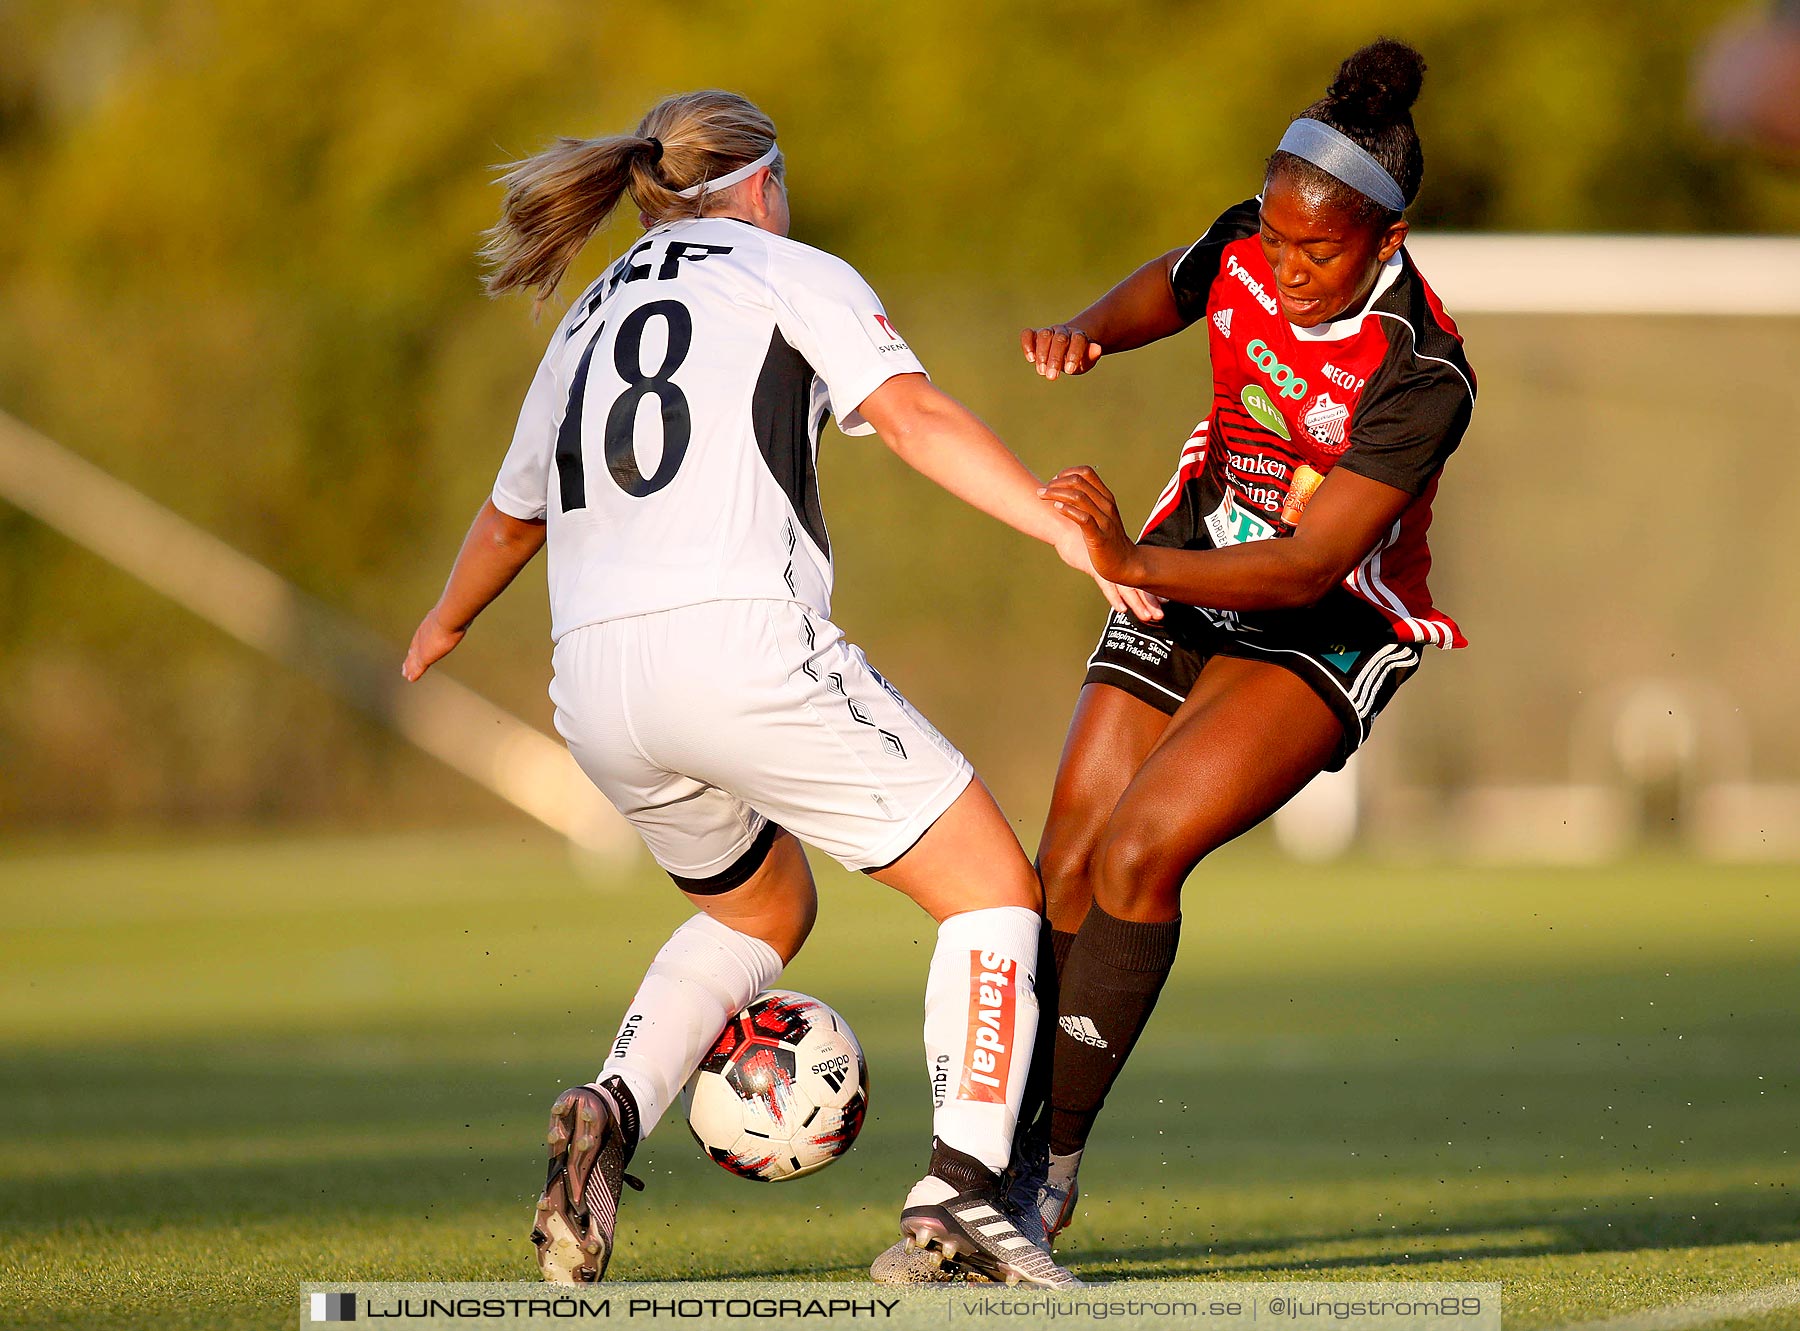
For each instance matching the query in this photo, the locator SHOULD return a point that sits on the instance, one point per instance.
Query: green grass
(228, 1069)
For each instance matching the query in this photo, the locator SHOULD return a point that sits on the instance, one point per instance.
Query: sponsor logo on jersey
(1122, 636)
(1264, 412)
(1263, 496)
(1255, 288)
(1233, 524)
(1350, 383)
(1083, 1029)
(894, 341)
(993, 1006)
(1251, 464)
(1222, 321)
(1324, 421)
(1263, 357)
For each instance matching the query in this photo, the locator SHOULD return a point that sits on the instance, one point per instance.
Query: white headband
(730, 177)
(1337, 154)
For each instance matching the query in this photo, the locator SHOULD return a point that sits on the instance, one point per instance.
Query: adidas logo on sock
(1082, 1028)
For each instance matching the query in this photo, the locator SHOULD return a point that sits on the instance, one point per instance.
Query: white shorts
(704, 724)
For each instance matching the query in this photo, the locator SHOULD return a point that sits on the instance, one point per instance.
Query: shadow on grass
(402, 1124)
(1678, 1221)
(1681, 1221)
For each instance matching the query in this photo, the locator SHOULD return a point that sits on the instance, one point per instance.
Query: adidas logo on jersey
(1082, 1028)
(1222, 321)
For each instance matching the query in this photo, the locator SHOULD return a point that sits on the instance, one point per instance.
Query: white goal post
(1729, 276)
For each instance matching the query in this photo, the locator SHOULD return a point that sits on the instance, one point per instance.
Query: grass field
(231, 1068)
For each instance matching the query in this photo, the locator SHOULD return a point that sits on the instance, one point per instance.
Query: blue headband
(1337, 155)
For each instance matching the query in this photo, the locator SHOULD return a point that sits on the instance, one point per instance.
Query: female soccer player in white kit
(666, 452)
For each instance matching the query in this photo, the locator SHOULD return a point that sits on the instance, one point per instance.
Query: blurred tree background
(236, 269)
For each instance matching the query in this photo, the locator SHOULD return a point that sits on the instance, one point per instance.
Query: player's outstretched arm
(947, 443)
(1341, 525)
(1138, 311)
(492, 554)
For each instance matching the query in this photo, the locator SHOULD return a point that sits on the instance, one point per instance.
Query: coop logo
(627, 1034)
(1255, 288)
(1287, 383)
(1345, 380)
(993, 1002)
(833, 1071)
(894, 341)
(1222, 321)
(333, 1307)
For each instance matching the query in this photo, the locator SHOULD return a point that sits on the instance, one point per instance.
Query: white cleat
(969, 1225)
(908, 1264)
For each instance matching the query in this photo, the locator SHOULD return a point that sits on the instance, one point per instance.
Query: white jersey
(670, 438)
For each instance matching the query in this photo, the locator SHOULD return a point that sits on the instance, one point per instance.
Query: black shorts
(1159, 663)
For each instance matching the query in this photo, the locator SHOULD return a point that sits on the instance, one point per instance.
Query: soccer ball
(782, 1091)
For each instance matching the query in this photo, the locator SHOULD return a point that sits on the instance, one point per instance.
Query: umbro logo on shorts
(1082, 1028)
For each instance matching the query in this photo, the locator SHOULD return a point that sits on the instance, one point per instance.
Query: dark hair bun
(1378, 85)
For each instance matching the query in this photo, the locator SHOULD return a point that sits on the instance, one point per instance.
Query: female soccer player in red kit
(1289, 548)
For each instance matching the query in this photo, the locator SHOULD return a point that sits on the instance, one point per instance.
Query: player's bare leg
(778, 903)
(969, 859)
(1247, 739)
(1110, 735)
(969, 873)
(1250, 735)
(713, 965)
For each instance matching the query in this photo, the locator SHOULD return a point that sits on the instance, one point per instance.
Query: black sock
(629, 1115)
(961, 1171)
(1106, 990)
(1053, 955)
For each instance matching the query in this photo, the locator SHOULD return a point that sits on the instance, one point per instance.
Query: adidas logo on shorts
(1082, 1028)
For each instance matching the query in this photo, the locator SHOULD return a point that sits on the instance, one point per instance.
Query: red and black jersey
(1385, 392)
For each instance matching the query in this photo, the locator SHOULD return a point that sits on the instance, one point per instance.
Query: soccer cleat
(957, 1214)
(904, 1264)
(1041, 1189)
(573, 1229)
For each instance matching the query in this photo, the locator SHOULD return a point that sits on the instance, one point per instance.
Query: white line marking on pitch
(1699, 1312)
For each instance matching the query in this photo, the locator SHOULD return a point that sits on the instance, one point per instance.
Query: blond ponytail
(556, 199)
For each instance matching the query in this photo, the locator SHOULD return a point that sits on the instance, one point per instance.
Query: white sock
(981, 1016)
(704, 974)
